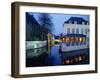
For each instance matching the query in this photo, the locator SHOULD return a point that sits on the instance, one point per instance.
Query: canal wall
(35, 44)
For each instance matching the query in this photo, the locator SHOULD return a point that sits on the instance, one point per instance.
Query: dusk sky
(59, 19)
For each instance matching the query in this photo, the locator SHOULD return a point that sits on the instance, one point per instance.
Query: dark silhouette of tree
(46, 21)
(34, 31)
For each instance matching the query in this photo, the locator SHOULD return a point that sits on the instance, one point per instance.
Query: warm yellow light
(80, 58)
(83, 39)
(67, 39)
(72, 39)
(80, 39)
(63, 39)
(76, 39)
(67, 61)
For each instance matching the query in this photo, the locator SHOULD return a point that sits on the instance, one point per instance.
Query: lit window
(73, 41)
(84, 39)
(67, 61)
(63, 40)
(80, 39)
(67, 39)
(76, 39)
(80, 58)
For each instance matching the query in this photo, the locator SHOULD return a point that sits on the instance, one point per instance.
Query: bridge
(52, 42)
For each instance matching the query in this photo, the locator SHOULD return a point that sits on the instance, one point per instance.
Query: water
(40, 57)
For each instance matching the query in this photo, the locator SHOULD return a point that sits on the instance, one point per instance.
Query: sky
(59, 19)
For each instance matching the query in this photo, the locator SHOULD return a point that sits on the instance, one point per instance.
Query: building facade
(76, 25)
(76, 30)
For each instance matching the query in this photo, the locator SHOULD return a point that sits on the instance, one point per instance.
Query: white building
(76, 29)
(76, 25)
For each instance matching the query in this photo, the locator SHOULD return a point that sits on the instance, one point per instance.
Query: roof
(78, 20)
(74, 35)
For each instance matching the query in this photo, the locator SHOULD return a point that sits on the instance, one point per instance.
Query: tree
(46, 22)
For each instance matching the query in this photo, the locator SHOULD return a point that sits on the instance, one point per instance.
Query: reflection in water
(54, 56)
(40, 57)
(35, 52)
(36, 57)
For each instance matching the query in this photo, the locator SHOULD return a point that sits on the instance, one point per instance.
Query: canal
(40, 57)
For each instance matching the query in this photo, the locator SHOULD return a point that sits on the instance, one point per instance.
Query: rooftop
(77, 20)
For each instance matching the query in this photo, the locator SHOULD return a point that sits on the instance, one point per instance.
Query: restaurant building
(76, 30)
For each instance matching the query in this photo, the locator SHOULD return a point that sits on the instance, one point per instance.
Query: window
(67, 41)
(68, 30)
(87, 23)
(77, 31)
(86, 30)
(73, 41)
(80, 40)
(87, 39)
(70, 22)
(73, 31)
(63, 40)
(82, 31)
(83, 23)
(77, 40)
(84, 40)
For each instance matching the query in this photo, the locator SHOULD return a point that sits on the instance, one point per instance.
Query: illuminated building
(77, 34)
